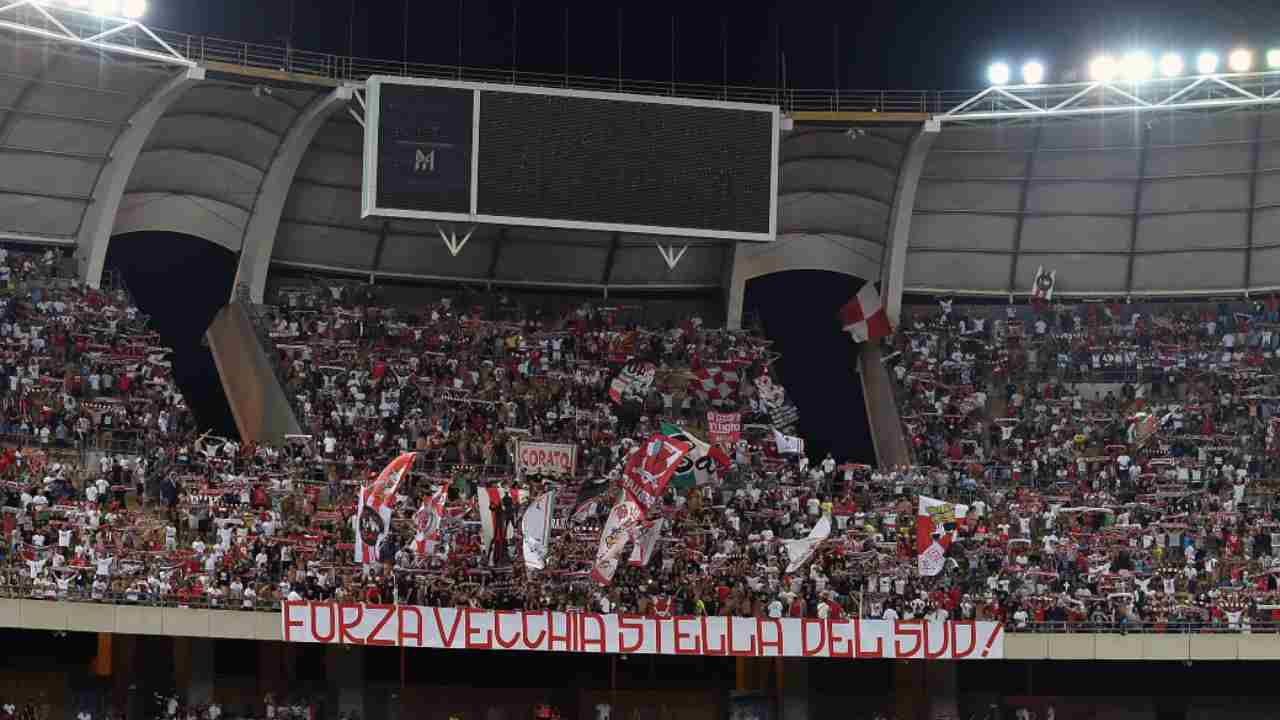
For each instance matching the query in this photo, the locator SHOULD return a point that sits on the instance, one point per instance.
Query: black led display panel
(623, 162)
(424, 148)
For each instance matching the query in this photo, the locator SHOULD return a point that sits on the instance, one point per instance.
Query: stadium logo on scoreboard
(424, 162)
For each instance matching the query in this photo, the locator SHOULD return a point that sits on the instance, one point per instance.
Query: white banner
(535, 458)
(475, 629)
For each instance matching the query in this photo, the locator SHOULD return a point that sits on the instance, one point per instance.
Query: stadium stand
(1113, 461)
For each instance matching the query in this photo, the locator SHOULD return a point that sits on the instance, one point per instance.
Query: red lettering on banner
(751, 649)
(497, 630)
(804, 636)
(466, 634)
(955, 638)
(315, 624)
(630, 622)
(447, 640)
(878, 652)
(995, 632)
(657, 631)
(776, 643)
(706, 640)
(343, 626)
(833, 649)
(946, 644)
(598, 640)
(372, 639)
(524, 627)
(697, 641)
(552, 638)
(289, 622)
(401, 611)
(899, 631)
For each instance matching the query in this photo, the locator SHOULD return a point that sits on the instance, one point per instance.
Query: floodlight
(1273, 59)
(1207, 63)
(133, 9)
(998, 73)
(1171, 65)
(1032, 73)
(1240, 60)
(105, 8)
(1137, 66)
(1103, 68)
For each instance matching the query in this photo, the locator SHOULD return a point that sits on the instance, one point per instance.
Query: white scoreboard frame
(369, 186)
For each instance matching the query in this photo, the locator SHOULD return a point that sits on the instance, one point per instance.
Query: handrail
(343, 68)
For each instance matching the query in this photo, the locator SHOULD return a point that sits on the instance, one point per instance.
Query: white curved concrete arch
(264, 223)
(904, 201)
(100, 217)
(853, 256)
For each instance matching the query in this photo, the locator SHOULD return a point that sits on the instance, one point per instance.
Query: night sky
(881, 45)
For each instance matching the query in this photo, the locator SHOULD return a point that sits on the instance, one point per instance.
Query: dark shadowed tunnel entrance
(818, 367)
(181, 281)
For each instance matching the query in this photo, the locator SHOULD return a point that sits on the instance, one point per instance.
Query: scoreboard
(473, 152)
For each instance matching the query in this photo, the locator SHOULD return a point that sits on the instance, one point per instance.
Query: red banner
(724, 428)
(544, 631)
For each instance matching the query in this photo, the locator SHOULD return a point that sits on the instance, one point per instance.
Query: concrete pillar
(194, 669)
(344, 671)
(794, 682)
(940, 682)
(924, 690)
(893, 276)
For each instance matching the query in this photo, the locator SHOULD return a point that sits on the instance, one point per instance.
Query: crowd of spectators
(1113, 462)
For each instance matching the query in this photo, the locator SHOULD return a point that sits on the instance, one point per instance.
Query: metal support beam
(100, 217)
(377, 253)
(260, 232)
(498, 242)
(893, 272)
(88, 30)
(1144, 151)
(1191, 93)
(614, 241)
(1256, 153)
(1023, 193)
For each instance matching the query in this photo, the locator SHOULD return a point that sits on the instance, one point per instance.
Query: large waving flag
(535, 527)
(373, 515)
(701, 465)
(428, 520)
(649, 469)
(489, 502)
(621, 527)
(864, 317)
(935, 529)
(801, 551)
(646, 541)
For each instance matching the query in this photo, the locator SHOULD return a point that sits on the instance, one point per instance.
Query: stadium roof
(258, 152)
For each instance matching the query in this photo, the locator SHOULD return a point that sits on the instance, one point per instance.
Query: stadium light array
(1240, 60)
(1137, 66)
(998, 73)
(127, 9)
(1273, 59)
(1207, 63)
(1032, 73)
(1171, 65)
(1103, 68)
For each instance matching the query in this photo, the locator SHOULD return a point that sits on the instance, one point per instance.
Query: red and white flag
(646, 542)
(535, 529)
(489, 501)
(649, 469)
(428, 521)
(621, 527)
(373, 515)
(864, 317)
(715, 383)
(935, 529)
